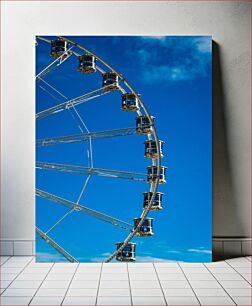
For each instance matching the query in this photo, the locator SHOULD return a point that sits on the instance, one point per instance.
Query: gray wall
(227, 22)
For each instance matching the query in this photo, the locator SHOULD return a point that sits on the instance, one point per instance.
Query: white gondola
(143, 125)
(87, 63)
(152, 174)
(127, 253)
(129, 102)
(157, 201)
(58, 48)
(146, 229)
(110, 81)
(151, 149)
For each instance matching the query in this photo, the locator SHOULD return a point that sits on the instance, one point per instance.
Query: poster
(123, 148)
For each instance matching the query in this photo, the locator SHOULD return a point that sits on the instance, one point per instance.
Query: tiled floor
(24, 282)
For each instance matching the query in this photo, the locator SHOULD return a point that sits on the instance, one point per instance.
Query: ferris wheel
(88, 62)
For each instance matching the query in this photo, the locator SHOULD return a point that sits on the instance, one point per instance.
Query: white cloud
(181, 58)
(200, 250)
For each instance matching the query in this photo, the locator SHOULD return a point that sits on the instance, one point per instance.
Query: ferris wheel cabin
(143, 125)
(146, 229)
(110, 81)
(129, 102)
(152, 174)
(151, 149)
(127, 253)
(58, 48)
(87, 63)
(157, 201)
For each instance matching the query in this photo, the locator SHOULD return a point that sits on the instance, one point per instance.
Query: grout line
(17, 276)
(220, 284)
(96, 300)
(70, 283)
(41, 283)
(160, 283)
(238, 273)
(131, 299)
(189, 283)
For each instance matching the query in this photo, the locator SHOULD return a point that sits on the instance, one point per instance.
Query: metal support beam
(93, 171)
(56, 247)
(84, 210)
(85, 137)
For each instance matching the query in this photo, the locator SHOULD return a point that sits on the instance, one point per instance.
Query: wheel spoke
(56, 247)
(93, 171)
(84, 210)
(71, 103)
(85, 137)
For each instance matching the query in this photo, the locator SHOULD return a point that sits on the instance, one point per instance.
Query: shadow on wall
(225, 208)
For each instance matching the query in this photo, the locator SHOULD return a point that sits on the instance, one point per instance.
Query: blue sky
(173, 76)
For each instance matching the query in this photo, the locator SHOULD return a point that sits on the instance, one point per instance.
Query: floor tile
(19, 292)
(47, 300)
(239, 291)
(5, 283)
(59, 277)
(243, 300)
(204, 284)
(178, 292)
(36, 270)
(114, 292)
(145, 284)
(172, 276)
(84, 284)
(174, 284)
(243, 270)
(196, 270)
(51, 292)
(146, 292)
(210, 292)
(241, 264)
(200, 276)
(104, 300)
(9, 270)
(166, 264)
(40, 265)
(168, 270)
(29, 276)
(142, 271)
(114, 271)
(192, 264)
(118, 277)
(10, 276)
(235, 284)
(14, 264)
(247, 277)
(79, 301)
(143, 277)
(82, 292)
(237, 259)
(25, 284)
(114, 284)
(55, 284)
(85, 276)
(228, 276)
(190, 300)
(221, 300)
(137, 300)
(21, 258)
(217, 270)
(15, 300)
